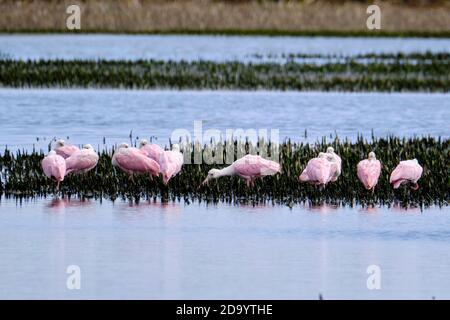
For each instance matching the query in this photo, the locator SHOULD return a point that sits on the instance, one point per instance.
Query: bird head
(176, 147)
(372, 155)
(88, 146)
(212, 174)
(330, 150)
(60, 143)
(142, 143)
(123, 145)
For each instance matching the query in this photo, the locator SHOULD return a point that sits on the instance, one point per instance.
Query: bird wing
(252, 166)
(153, 151)
(136, 161)
(406, 170)
(319, 169)
(171, 163)
(82, 160)
(66, 151)
(54, 166)
(368, 171)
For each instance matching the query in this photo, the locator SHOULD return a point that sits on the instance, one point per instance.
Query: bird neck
(227, 171)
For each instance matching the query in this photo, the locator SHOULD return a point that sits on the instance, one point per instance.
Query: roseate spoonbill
(368, 171)
(171, 163)
(82, 160)
(248, 167)
(54, 167)
(132, 160)
(408, 171)
(336, 163)
(65, 150)
(319, 171)
(151, 150)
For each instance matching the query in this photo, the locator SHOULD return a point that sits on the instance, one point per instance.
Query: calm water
(86, 116)
(187, 47)
(194, 251)
(170, 251)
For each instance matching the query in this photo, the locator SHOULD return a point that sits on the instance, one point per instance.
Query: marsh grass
(423, 75)
(22, 177)
(263, 17)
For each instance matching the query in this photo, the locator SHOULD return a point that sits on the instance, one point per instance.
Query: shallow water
(168, 251)
(192, 47)
(86, 116)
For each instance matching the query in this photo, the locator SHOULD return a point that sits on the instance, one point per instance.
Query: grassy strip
(443, 57)
(21, 176)
(238, 32)
(350, 76)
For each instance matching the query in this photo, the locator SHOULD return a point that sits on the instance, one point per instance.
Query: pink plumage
(368, 171)
(82, 160)
(318, 171)
(153, 151)
(171, 163)
(133, 160)
(251, 167)
(408, 171)
(248, 167)
(54, 166)
(65, 150)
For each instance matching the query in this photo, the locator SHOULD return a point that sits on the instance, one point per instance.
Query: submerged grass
(22, 176)
(429, 75)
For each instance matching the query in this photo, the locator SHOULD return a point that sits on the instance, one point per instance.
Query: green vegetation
(430, 75)
(22, 176)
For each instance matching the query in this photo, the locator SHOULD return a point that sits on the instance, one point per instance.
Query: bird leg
(415, 186)
(131, 178)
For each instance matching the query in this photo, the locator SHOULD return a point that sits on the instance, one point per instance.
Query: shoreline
(263, 17)
(243, 33)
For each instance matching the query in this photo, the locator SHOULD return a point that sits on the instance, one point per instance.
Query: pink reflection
(323, 208)
(397, 208)
(369, 210)
(58, 204)
(149, 206)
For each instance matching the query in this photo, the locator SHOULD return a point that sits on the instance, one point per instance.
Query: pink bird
(408, 171)
(171, 163)
(54, 167)
(336, 163)
(248, 167)
(368, 171)
(132, 160)
(319, 171)
(82, 160)
(153, 151)
(65, 150)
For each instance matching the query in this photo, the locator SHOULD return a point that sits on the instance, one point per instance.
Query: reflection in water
(369, 209)
(157, 250)
(322, 208)
(57, 204)
(151, 206)
(405, 209)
